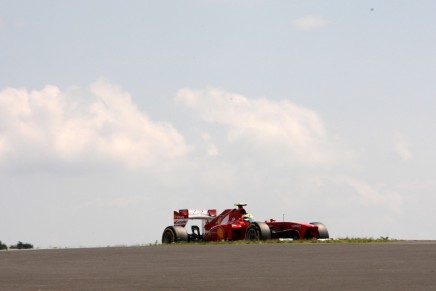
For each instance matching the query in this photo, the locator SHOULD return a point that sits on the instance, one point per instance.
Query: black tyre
(322, 230)
(295, 235)
(258, 231)
(173, 234)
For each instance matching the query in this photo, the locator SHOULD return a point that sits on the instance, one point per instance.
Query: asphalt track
(321, 266)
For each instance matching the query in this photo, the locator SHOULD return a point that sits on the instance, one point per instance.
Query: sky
(113, 114)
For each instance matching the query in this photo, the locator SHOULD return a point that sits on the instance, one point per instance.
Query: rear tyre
(322, 230)
(258, 231)
(173, 234)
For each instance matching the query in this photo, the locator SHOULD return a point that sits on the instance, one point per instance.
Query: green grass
(246, 242)
(364, 240)
(327, 241)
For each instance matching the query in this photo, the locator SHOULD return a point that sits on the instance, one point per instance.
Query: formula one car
(236, 224)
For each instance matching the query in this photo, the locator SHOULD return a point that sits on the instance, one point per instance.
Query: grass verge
(322, 241)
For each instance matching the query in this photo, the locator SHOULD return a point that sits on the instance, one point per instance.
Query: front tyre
(258, 231)
(322, 230)
(173, 234)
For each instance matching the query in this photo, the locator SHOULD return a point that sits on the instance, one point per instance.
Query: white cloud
(372, 195)
(403, 150)
(103, 125)
(310, 22)
(4, 147)
(281, 128)
(117, 202)
(212, 150)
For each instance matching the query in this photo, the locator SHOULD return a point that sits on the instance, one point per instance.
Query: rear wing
(182, 216)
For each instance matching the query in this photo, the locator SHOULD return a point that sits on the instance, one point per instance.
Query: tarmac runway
(268, 266)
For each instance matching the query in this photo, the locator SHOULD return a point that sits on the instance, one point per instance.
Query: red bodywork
(232, 224)
(229, 225)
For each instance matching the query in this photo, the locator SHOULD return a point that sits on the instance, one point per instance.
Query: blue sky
(114, 114)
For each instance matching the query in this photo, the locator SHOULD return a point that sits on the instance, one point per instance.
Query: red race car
(236, 224)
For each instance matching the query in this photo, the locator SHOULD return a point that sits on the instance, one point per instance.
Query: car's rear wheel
(173, 234)
(322, 230)
(295, 235)
(258, 231)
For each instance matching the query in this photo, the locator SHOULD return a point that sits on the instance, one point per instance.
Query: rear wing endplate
(182, 216)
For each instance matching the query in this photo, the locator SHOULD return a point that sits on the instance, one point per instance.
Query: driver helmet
(248, 217)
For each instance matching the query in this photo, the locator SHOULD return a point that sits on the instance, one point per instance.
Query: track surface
(327, 266)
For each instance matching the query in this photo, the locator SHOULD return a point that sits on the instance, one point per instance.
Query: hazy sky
(115, 113)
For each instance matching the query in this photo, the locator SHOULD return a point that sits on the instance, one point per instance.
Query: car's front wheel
(258, 231)
(322, 230)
